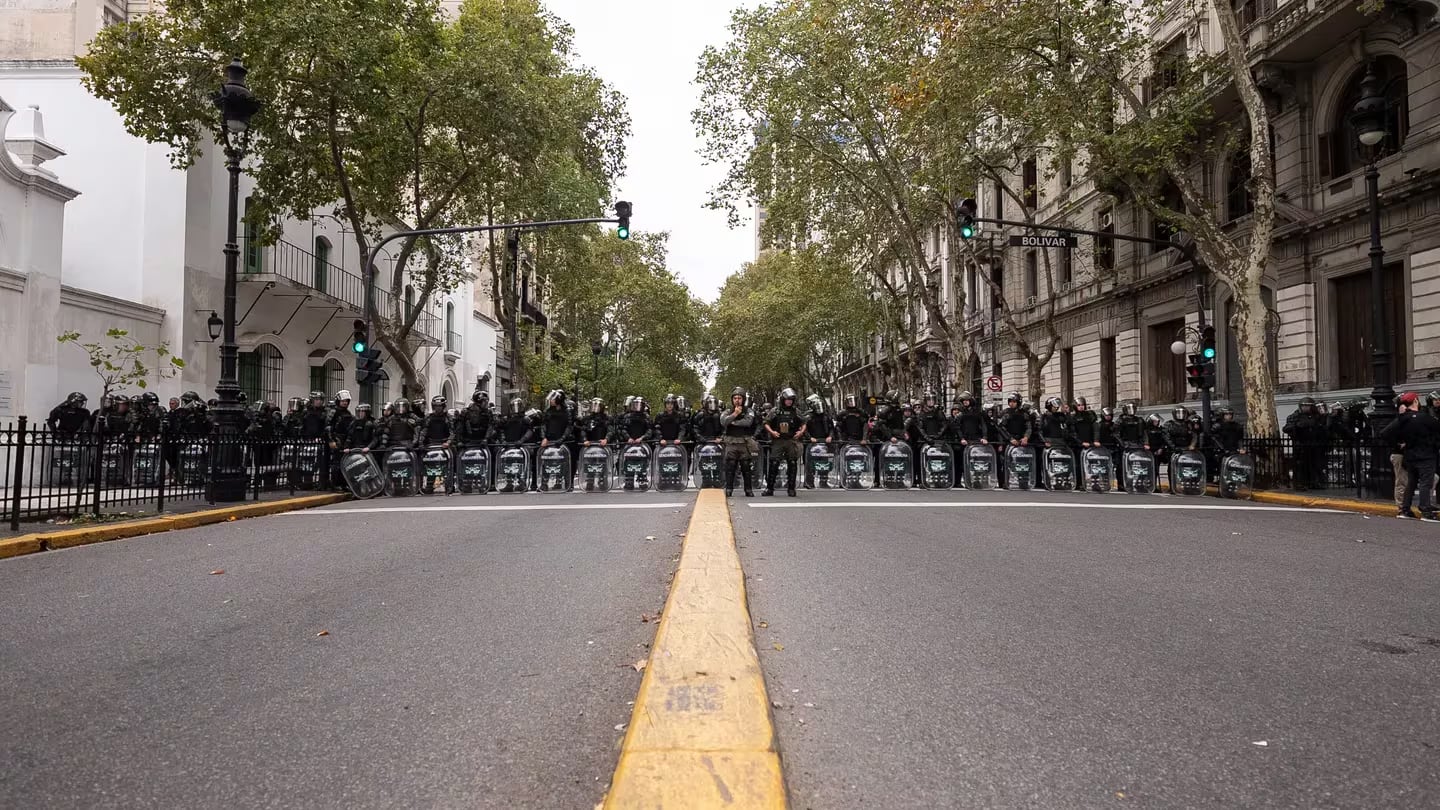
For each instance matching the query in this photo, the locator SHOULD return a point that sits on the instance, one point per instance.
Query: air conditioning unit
(1031, 301)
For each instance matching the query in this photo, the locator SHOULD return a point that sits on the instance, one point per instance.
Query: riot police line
(578, 447)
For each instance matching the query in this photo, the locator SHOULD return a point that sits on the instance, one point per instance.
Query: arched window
(376, 393)
(448, 391)
(262, 373)
(322, 262)
(253, 256)
(452, 338)
(1341, 147)
(328, 377)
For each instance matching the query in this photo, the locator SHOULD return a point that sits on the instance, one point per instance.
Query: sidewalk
(48, 536)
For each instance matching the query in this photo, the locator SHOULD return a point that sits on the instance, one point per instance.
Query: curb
(68, 538)
(701, 734)
(1342, 504)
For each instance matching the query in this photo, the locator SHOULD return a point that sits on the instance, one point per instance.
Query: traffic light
(622, 213)
(965, 213)
(368, 367)
(1200, 373)
(360, 337)
(1207, 344)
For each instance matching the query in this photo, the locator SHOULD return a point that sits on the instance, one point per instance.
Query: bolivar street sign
(1055, 241)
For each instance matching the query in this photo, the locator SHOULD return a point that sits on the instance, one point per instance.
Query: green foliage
(784, 319)
(121, 361)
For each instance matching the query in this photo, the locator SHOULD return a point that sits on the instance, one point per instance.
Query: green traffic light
(359, 346)
(1209, 353)
(967, 231)
(623, 232)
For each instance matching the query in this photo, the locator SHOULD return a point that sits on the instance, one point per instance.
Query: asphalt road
(1028, 656)
(468, 658)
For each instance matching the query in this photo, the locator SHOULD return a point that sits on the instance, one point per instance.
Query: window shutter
(1323, 155)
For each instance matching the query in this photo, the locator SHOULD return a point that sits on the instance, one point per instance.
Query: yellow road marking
(701, 735)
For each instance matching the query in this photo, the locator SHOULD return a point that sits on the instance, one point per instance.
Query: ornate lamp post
(1368, 118)
(237, 106)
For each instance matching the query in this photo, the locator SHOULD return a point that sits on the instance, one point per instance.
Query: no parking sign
(993, 383)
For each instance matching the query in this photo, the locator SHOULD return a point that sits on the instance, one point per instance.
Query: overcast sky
(648, 49)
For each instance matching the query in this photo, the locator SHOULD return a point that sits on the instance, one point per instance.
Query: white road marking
(1172, 505)
(556, 507)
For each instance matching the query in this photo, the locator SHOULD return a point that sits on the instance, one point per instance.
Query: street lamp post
(1368, 118)
(596, 348)
(237, 106)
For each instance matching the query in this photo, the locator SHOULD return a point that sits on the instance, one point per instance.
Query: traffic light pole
(1186, 250)
(368, 268)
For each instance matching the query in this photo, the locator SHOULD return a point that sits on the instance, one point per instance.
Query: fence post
(162, 474)
(98, 440)
(19, 469)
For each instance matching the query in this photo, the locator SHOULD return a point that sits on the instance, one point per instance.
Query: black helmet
(671, 399)
(76, 400)
(516, 404)
(1225, 412)
(1180, 413)
(815, 403)
(150, 398)
(928, 398)
(295, 403)
(1127, 409)
(189, 397)
(240, 397)
(1153, 420)
(737, 391)
(787, 393)
(417, 404)
(479, 397)
(597, 405)
(1081, 403)
(438, 403)
(637, 405)
(1307, 401)
(400, 405)
(1433, 399)
(1052, 404)
(1015, 398)
(709, 404)
(965, 395)
(532, 415)
(681, 403)
(362, 408)
(851, 401)
(1108, 414)
(555, 398)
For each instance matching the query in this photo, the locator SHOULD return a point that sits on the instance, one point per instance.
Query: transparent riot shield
(472, 471)
(1020, 463)
(820, 467)
(145, 469)
(937, 470)
(857, 467)
(979, 466)
(596, 466)
(1337, 466)
(1099, 476)
(670, 466)
(512, 470)
(897, 466)
(554, 469)
(307, 463)
(67, 467)
(709, 466)
(1059, 469)
(1187, 473)
(1139, 471)
(194, 461)
(113, 466)
(435, 470)
(635, 468)
(400, 472)
(1237, 476)
(362, 474)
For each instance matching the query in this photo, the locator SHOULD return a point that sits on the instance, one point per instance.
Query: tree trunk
(1252, 321)
(1035, 378)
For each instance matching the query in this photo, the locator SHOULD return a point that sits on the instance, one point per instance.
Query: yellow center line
(701, 735)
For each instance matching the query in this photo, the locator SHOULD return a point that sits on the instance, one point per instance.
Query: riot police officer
(70, 418)
(1083, 424)
(398, 431)
(1015, 425)
(1310, 431)
(514, 428)
(1228, 434)
(634, 426)
(473, 426)
(929, 424)
(670, 425)
(361, 431)
(786, 426)
(740, 446)
(853, 423)
(597, 424)
(1179, 430)
(1054, 425)
(705, 425)
(435, 431)
(968, 424)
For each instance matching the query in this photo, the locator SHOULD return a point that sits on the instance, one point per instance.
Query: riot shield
(554, 469)
(596, 465)
(1337, 466)
(145, 468)
(473, 471)
(113, 468)
(435, 468)
(709, 466)
(362, 474)
(1059, 469)
(512, 470)
(307, 462)
(1139, 471)
(979, 466)
(1020, 462)
(937, 469)
(670, 465)
(194, 461)
(782, 471)
(400, 472)
(67, 468)
(820, 467)
(1187, 473)
(635, 468)
(897, 466)
(1098, 473)
(1237, 476)
(857, 470)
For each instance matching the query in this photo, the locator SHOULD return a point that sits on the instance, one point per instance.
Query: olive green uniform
(740, 447)
(788, 422)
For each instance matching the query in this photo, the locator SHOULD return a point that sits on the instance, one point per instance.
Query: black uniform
(596, 427)
(68, 420)
(786, 421)
(1310, 433)
(472, 426)
(1083, 426)
(705, 426)
(632, 425)
(851, 425)
(514, 429)
(669, 426)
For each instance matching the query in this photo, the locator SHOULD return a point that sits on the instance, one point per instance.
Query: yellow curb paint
(68, 538)
(701, 735)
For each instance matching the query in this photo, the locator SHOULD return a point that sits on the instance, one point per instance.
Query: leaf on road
(1261, 743)
(639, 666)
(764, 624)
(778, 646)
(217, 572)
(777, 704)
(620, 727)
(646, 618)
(323, 633)
(649, 537)
(232, 517)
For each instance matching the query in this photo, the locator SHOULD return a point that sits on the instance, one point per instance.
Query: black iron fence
(48, 474)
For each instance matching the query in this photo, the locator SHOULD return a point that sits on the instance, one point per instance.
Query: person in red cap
(1417, 433)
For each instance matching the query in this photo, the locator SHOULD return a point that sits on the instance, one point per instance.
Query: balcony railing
(452, 342)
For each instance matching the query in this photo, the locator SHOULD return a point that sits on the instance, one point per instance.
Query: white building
(142, 250)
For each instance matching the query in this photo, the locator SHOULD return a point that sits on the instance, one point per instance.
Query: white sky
(648, 50)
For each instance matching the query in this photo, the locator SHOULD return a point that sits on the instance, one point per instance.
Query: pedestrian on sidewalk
(1418, 435)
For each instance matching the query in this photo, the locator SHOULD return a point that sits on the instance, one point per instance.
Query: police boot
(790, 478)
(748, 471)
(730, 480)
(772, 470)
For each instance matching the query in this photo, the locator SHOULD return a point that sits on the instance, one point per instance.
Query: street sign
(993, 383)
(1067, 241)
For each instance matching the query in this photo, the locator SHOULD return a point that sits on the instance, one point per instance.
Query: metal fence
(48, 474)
